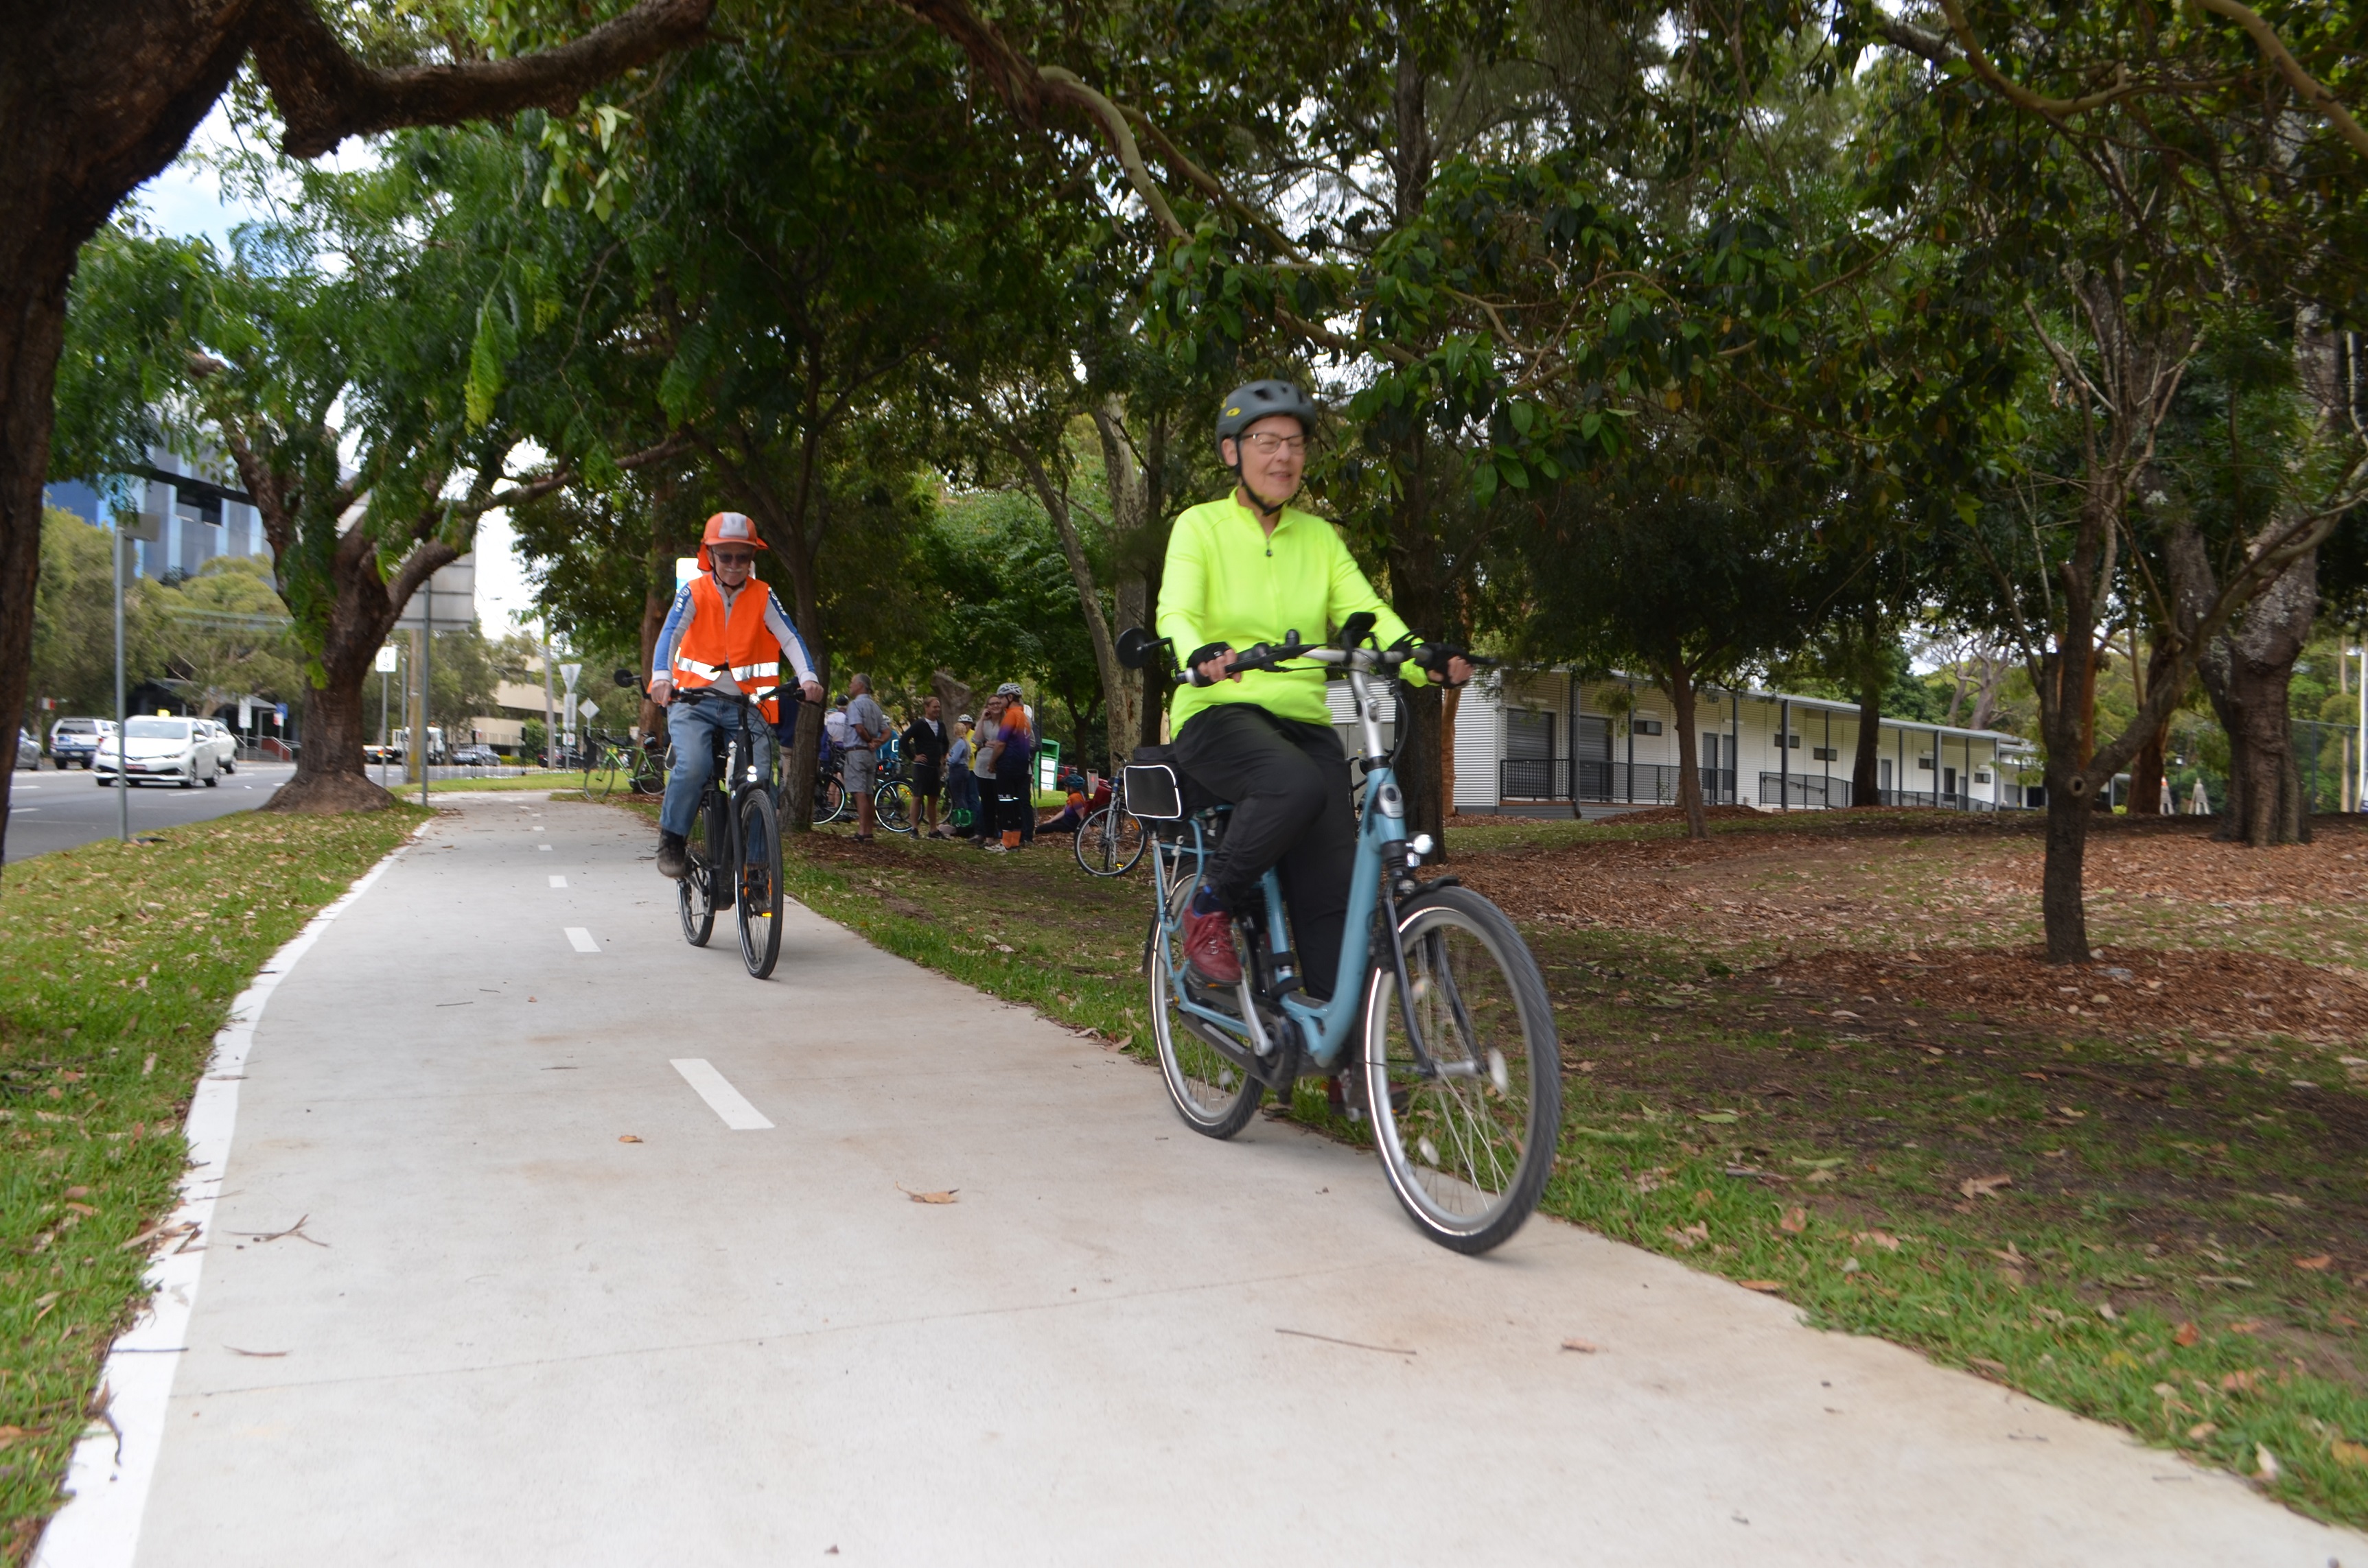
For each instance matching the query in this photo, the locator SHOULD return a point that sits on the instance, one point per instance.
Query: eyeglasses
(1266, 444)
(734, 558)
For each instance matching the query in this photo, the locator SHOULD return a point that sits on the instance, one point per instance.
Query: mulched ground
(2211, 942)
(2131, 995)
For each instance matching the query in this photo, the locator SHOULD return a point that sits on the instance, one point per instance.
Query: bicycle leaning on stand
(1109, 841)
(734, 845)
(1455, 1062)
(638, 765)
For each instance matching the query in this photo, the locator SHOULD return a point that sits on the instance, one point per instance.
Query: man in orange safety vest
(725, 640)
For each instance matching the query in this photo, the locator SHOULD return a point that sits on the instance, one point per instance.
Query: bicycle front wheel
(695, 895)
(830, 801)
(1109, 842)
(1467, 1148)
(759, 882)
(613, 770)
(893, 803)
(1214, 1093)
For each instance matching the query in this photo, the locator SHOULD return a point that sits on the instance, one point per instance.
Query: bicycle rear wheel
(695, 894)
(612, 770)
(1214, 1093)
(1109, 842)
(893, 802)
(759, 882)
(1468, 1150)
(830, 801)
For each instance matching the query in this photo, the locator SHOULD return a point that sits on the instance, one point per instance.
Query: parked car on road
(163, 748)
(476, 756)
(29, 750)
(77, 740)
(225, 744)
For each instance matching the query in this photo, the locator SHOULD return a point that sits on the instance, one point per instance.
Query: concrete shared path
(499, 1275)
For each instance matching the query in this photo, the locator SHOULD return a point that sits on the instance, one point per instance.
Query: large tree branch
(325, 94)
(2312, 89)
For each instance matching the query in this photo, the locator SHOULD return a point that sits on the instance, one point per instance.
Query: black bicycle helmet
(1247, 405)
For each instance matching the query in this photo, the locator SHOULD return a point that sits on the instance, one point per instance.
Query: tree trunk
(1451, 702)
(1677, 681)
(1866, 771)
(2248, 673)
(2148, 768)
(333, 728)
(2060, 901)
(1121, 722)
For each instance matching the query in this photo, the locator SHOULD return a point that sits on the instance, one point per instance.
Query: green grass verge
(2155, 1262)
(118, 962)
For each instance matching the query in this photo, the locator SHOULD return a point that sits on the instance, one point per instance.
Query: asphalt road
(543, 1238)
(58, 810)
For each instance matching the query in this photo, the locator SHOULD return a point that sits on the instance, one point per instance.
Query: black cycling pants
(1289, 784)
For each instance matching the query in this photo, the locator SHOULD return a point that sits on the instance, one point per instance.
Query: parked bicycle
(1456, 1063)
(892, 796)
(1109, 841)
(735, 845)
(638, 766)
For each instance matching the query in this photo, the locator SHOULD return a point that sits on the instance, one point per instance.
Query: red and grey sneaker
(1209, 947)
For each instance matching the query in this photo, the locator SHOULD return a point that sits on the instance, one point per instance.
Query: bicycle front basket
(1153, 792)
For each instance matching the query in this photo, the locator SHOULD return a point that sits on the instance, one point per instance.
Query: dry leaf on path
(1984, 1186)
(627, 1137)
(263, 1355)
(945, 1197)
(1584, 1347)
(2314, 1264)
(1766, 1286)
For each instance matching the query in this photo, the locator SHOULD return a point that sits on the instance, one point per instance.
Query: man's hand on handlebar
(661, 691)
(813, 690)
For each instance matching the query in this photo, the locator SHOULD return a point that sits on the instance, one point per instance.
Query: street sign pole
(427, 664)
(122, 751)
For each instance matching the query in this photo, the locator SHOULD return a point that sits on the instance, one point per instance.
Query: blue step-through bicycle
(1439, 1024)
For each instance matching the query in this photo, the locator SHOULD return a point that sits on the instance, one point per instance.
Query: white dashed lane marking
(721, 1097)
(559, 881)
(544, 848)
(581, 939)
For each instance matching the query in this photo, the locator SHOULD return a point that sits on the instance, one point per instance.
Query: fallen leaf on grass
(1986, 1365)
(2201, 1430)
(2349, 1453)
(627, 1137)
(1717, 1115)
(1122, 1042)
(1984, 1186)
(1795, 1221)
(945, 1197)
(2267, 1461)
(2241, 1382)
(1764, 1287)
(2250, 1326)
(1693, 1235)
(1584, 1347)
(2187, 1334)
(1883, 1239)
(10, 1434)
(2314, 1264)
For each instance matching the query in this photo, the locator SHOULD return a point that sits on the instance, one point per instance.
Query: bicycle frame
(1325, 1031)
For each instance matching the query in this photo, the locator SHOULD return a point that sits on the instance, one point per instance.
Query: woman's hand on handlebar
(1459, 671)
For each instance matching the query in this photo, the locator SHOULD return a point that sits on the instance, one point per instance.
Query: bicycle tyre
(757, 888)
(695, 894)
(830, 801)
(1109, 842)
(1212, 1092)
(616, 771)
(892, 802)
(1481, 1005)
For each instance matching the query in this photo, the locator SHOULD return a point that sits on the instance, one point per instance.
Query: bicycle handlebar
(1271, 657)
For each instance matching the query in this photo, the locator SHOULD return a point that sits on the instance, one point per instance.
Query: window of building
(1825, 753)
(1645, 724)
(1528, 734)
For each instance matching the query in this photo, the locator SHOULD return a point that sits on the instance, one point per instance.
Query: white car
(224, 743)
(161, 748)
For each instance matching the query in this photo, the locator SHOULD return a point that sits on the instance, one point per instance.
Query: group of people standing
(983, 770)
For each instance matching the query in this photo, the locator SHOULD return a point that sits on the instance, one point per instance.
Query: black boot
(672, 860)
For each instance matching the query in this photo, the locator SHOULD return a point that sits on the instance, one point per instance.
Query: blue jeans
(693, 724)
(961, 793)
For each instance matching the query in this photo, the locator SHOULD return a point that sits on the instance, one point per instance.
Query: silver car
(225, 744)
(163, 749)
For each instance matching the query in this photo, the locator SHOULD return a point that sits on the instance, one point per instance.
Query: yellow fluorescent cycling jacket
(1226, 581)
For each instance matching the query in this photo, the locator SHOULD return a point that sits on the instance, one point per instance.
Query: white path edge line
(721, 1097)
(107, 1482)
(580, 938)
